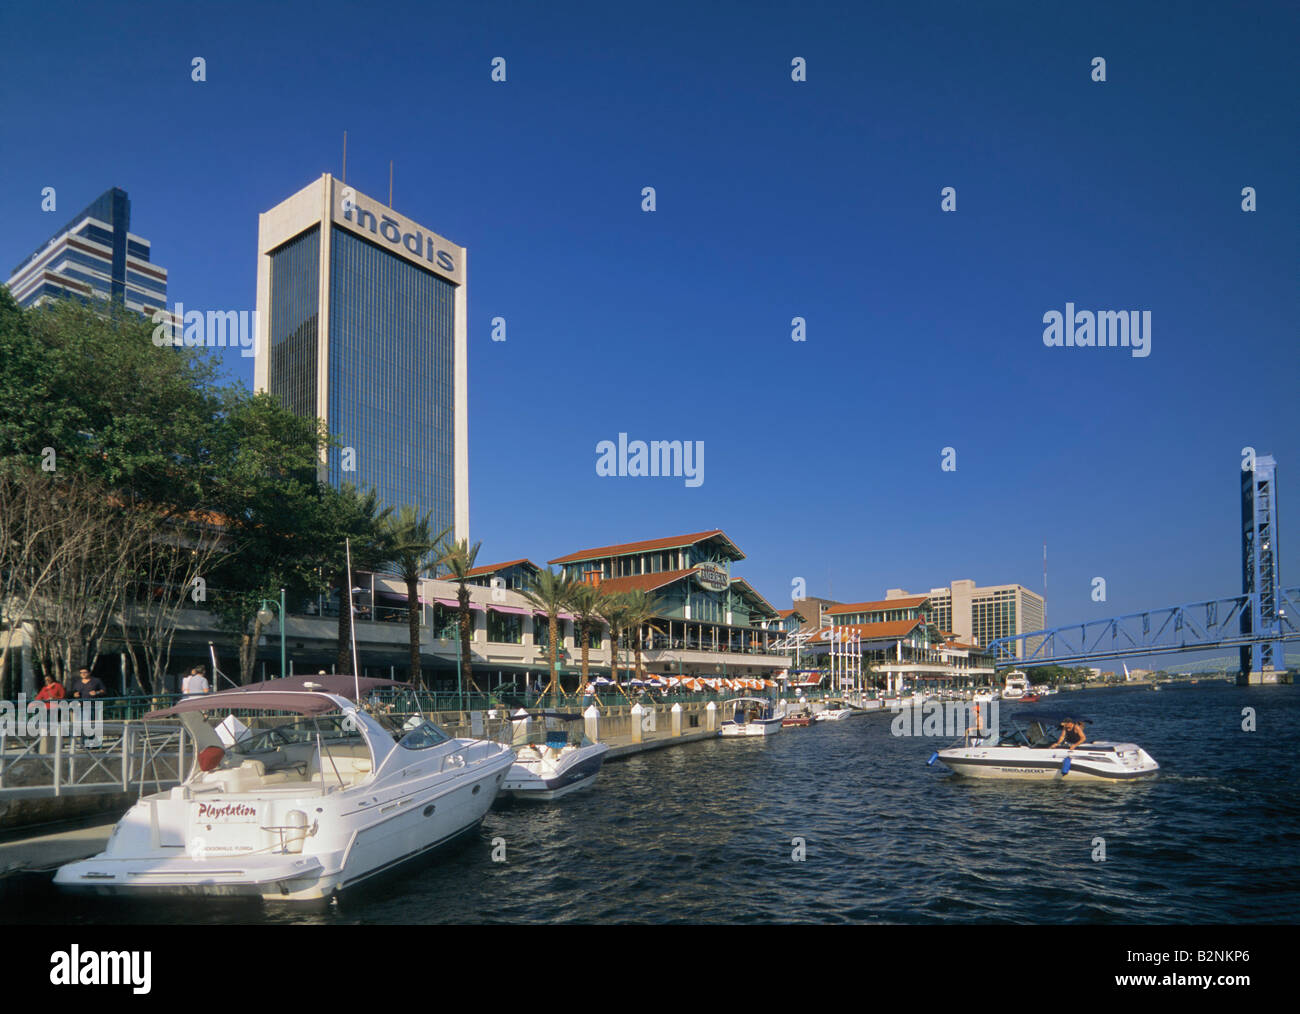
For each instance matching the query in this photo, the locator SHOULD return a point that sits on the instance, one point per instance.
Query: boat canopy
(304, 695)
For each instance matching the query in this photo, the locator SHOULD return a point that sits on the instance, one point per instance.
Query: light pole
(265, 615)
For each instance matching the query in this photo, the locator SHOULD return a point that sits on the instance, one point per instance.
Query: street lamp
(265, 615)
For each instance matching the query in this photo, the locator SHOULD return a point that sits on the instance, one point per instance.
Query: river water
(706, 833)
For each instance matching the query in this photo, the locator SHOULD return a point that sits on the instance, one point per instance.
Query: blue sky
(775, 199)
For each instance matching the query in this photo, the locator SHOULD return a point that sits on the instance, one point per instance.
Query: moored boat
(750, 716)
(320, 796)
(553, 760)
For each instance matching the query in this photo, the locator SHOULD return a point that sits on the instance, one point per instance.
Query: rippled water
(704, 832)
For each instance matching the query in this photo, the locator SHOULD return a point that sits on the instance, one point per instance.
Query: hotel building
(982, 615)
(362, 323)
(94, 257)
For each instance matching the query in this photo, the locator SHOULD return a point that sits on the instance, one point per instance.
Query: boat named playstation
(318, 797)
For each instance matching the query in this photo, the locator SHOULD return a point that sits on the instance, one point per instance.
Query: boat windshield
(419, 734)
(1034, 734)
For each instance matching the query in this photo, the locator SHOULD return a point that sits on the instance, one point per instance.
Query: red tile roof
(623, 548)
(784, 613)
(870, 607)
(492, 568)
(644, 582)
(872, 631)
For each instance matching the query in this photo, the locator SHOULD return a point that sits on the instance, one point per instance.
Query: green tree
(358, 520)
(587, 619)
(552, 592)
(415, 551)
(459, 558)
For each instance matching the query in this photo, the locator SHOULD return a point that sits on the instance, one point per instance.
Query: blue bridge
(1257, 623)
(1196, 626)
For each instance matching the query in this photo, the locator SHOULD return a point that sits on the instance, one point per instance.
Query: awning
(453, 604)
(513, 610)
(305, 695)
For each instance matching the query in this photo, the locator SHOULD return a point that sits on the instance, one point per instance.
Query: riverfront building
(94, 257)
(709, 622)
(362, 323)
(980, 615)
(902, 646)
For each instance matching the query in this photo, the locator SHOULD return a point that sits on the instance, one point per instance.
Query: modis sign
(386, 228)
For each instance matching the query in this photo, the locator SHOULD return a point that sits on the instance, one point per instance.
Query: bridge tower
(1265, 662)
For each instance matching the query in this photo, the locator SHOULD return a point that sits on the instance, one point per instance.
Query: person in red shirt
(52, 691)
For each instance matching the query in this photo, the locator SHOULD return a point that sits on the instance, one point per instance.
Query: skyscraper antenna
(345, 156)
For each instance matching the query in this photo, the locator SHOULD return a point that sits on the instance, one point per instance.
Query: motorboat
(1015, 687)
(750, 716)
(835, 711)
(1026, 751)
(553, 757)
(316, 796)
(1030, 698)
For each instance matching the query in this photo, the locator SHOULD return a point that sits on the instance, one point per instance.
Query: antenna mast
(352, 625)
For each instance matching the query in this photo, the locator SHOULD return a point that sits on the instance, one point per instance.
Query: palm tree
(415, 554)
(587, 616)
(613, 610)
(552, 592)
(458, 557)
(356, 519)
(642, 607)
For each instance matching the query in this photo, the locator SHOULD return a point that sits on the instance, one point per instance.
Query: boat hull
(1123, 762)
(543, 782)
(157, 850)
(754, 727)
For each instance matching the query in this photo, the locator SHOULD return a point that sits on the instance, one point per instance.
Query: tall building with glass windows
(362, 323)
(95, 256)
(983, 614)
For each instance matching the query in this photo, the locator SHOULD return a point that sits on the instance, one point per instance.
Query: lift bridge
(1258, 622)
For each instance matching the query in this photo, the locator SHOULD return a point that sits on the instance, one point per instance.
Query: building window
(505, 628)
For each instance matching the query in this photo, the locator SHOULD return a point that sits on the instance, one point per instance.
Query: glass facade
(391, 380)
(994, 616)
(295, 288)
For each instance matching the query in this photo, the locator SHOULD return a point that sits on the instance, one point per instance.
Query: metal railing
(125, 756)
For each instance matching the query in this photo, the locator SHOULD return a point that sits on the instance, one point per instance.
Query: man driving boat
(1073, 731)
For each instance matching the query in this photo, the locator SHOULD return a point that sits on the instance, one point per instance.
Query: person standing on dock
(90, 687)
(52, 691)
(195, 682)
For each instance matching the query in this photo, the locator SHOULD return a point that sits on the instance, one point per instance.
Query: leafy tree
(415, 551)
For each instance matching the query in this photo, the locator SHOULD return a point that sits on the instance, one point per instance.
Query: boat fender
(1065, 766)
(933, 757)
(296, 831)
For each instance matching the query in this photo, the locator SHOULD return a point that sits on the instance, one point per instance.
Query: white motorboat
(1026, 752)
(750, 716)
(301, 807)
(1016, 686)
(835, 711)
(552, 759)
